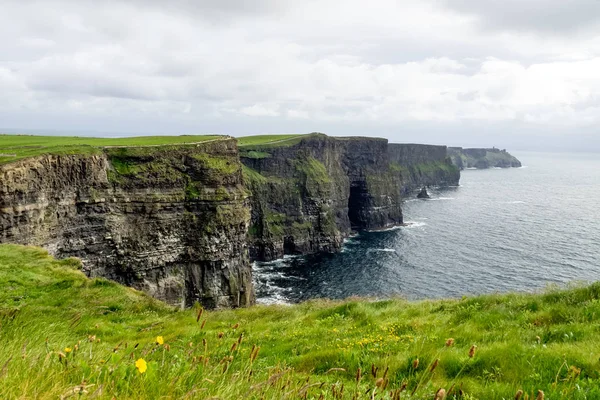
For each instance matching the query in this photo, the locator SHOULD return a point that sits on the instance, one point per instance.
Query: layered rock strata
(169, 220)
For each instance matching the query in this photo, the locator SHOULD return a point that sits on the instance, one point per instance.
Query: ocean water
(501, 230)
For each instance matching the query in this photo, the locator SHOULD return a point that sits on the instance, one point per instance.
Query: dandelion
(449, 342)
(472, 351)
(141, 365)
(160, 340)
(68, 350)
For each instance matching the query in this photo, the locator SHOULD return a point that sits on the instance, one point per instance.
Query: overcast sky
(521, 74)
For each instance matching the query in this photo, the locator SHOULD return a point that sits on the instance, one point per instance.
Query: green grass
(548, 341)
(266, 141)
(16, 147)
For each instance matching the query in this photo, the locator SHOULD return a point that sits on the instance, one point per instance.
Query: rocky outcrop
(482, 158)
(170, 220)
(423, 194)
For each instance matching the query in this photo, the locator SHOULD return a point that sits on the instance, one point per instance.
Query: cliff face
(182, 222)
(482, 158)
(170, 220)
(423, 165)
(309, 195)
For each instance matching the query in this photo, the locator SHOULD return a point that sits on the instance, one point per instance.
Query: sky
(515, 74)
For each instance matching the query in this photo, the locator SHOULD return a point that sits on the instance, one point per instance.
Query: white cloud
(333, 63)
(260, 110)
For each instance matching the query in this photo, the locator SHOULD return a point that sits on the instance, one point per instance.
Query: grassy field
(270, 140)
(65, 336)
(15, 147)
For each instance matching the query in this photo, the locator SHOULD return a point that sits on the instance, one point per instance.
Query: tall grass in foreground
(65, 336)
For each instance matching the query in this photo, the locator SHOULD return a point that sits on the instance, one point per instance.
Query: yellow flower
(141, 365)
(68, 349)
(160, 340)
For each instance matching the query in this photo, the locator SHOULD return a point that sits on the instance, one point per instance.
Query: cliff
(310, 192)
(182, 220)
(482, 158)
(169, 220)
(422, 165)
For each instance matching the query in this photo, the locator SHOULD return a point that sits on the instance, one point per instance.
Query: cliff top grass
(16, 147)
(271, 140)
(63, 335)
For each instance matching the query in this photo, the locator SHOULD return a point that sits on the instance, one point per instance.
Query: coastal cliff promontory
(482, 158)
(170, 220)
(312, 191)
(182, 218)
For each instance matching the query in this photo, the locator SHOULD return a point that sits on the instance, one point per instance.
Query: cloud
(547, 16)
(330, 65)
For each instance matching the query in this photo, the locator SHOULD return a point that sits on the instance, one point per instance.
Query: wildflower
(141, 365)
(449, 342)
(160, 340)
(472, 351)
(68, 350)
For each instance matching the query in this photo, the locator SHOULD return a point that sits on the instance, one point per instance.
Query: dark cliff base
(183, 221)
(482, 158)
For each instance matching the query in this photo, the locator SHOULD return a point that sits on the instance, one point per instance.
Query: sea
(501, 230)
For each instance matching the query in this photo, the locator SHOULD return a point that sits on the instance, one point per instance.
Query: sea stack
(423, 194)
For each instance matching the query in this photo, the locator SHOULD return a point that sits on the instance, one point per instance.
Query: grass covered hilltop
(63, 335)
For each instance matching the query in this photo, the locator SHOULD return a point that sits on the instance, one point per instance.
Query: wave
(414, 224)
(391, 228)
(272, 299)
(516, 202)
(443, 198)
(384, 250)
